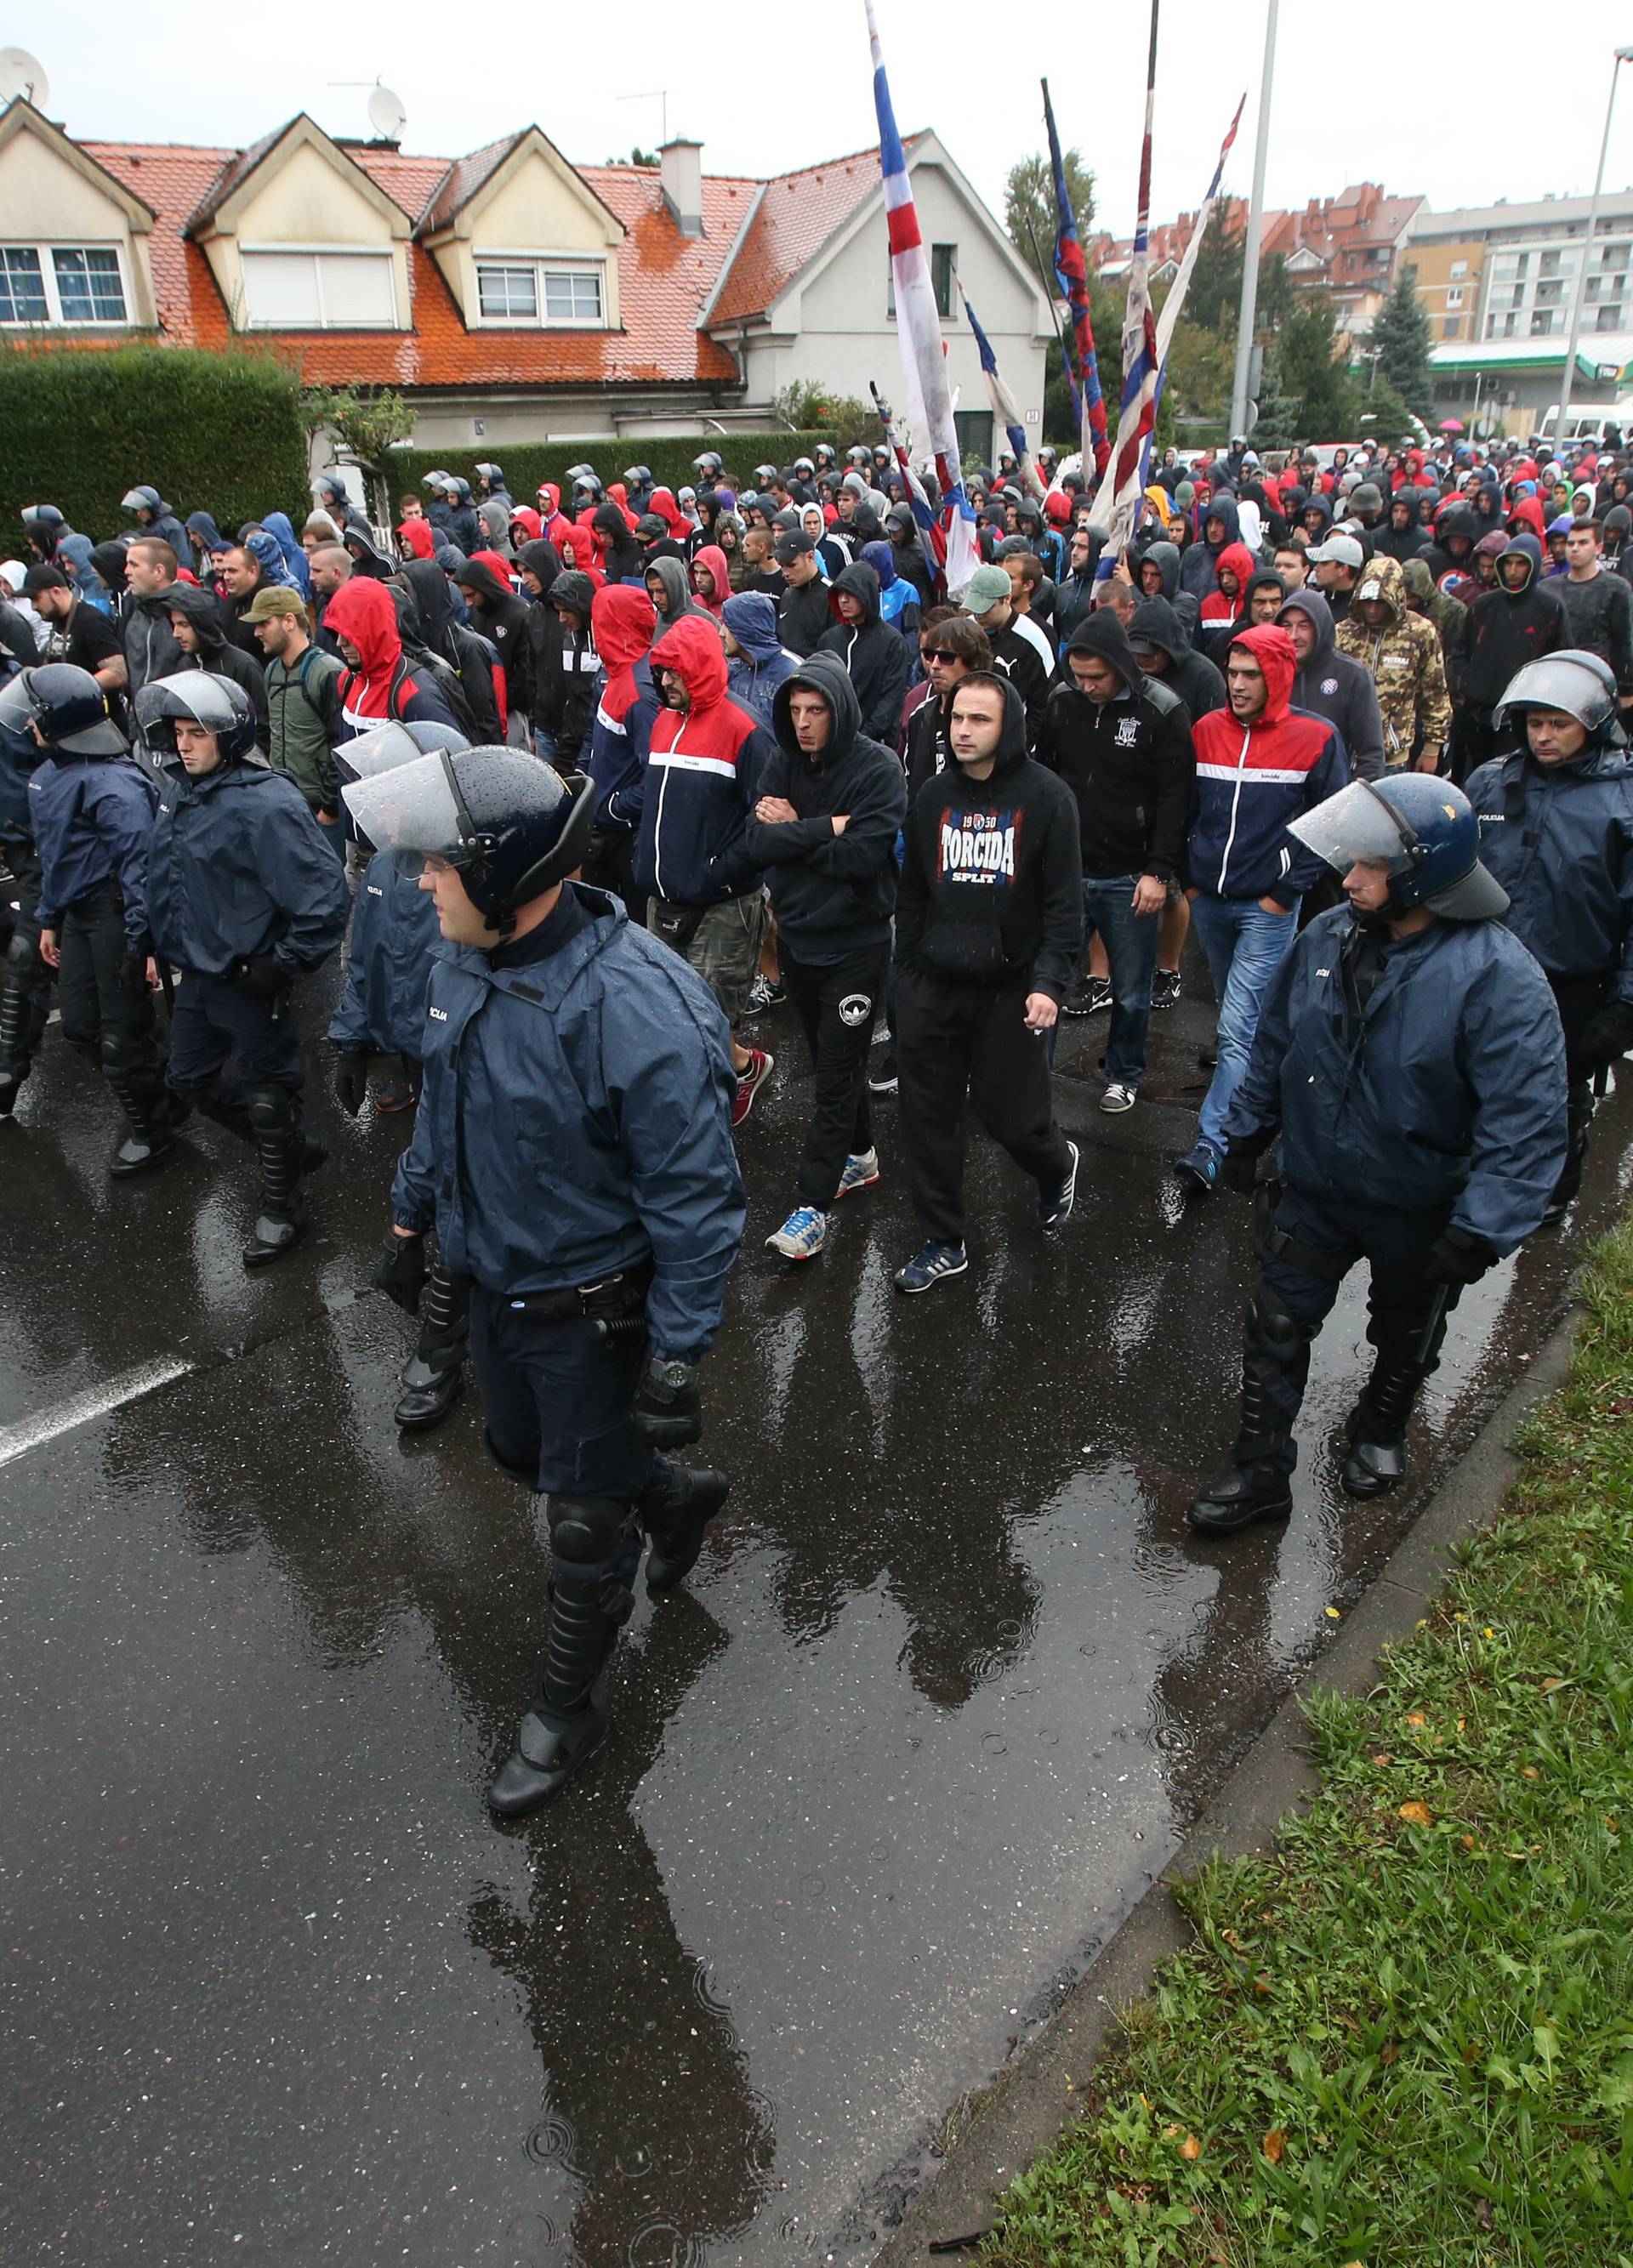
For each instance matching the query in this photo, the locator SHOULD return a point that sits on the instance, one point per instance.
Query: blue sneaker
(928, 1265)
(803, 1235)
(1054, 1205)
(1199, 1167)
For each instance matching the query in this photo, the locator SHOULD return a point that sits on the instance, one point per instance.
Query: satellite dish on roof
(21, 73)
(386, 114)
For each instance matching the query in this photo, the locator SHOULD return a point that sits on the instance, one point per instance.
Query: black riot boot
(594, 1543)
(149, 1114)
(432, 1377)
(1377, 1462)
(1256, 1487)
(279, 1223)
(676, 1507)
(16, 1004)
(1579, 1107)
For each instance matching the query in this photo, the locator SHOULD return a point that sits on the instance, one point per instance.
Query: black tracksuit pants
(958, 1040)
(837, 1003)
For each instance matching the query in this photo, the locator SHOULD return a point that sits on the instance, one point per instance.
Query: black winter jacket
(1128, 762)
(874, 651)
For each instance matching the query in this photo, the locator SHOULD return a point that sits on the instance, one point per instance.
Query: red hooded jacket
(1216, 608)
(418, 538)
(712, 559)
(1252, 779)
(361, 611)
(702, 775)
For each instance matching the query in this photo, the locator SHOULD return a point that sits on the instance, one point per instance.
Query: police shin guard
(15, 1053)
(676, 1507)
(1258, 1484)
(147, 1112)
(1580, 1106)
(431, 1380)
(278, 1221)
(590, 1601)
(1377, 1462)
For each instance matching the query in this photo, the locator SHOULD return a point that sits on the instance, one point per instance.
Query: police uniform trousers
(1577, 999)
(1310, 1246)
(227, 1040)
(95, 998)
(25, 979)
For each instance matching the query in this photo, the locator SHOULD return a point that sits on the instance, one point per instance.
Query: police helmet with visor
(1423, 829)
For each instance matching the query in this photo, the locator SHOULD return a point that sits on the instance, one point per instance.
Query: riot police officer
(243, 895)
(25, 979)
(573, 1151)
(382, 1011)
(1409, 1059)
(93, 811)
(1556, 830)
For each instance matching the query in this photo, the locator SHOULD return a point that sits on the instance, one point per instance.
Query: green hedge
(527, 464)
(221, 433)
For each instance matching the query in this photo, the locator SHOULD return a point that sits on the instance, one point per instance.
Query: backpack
(422, 661)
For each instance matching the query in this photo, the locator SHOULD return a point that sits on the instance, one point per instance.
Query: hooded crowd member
(1401, 653)
(554, 526)
(1259, 766)
(319, 532)
(1021, 652)
(210, 547)
(195, 623)
(501, 617)
(620, 556)
(428, 619)
(1409, 1065)
(1519, 619)
(1599, 607)
(1121, 742)
(833, 547)
(655, 540)
(379, 681)
(92, 810)
(1556, 830)
(279, 528)
(899, 599)
(703, 779)
(1445, 613)
(803, 617)
(711, 578)
(831, 804)
(1157, 641)
(243, 896)
(874, 653)
(669, 586)
(1074, 593)
(1222, 527)
(623, 621)
(156, 518)
(150, 644)
(1227, 602)
(1617, 541)
(989, 929)
(757, 660)
(566, 667)
(304, 720)
(1333, 684)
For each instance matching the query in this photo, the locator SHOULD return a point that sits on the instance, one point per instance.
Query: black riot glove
(133, 970)
(1607, 1035)
(668, 1410)
(1459, 1257)
(1239, 1168)
(351, 1082)
(261, 974)
(402, 1272)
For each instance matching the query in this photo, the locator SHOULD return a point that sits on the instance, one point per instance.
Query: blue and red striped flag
(1072, 273)
(1181, 284)
(1117, 507)
(1006, 410)
(918, 323)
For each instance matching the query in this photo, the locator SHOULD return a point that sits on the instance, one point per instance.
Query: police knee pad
(1270, 1324)
(585, 1532)
(23, 958)
(113, 1054)
(271, 1110)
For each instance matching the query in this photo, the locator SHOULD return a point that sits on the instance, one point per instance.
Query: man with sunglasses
(1410, 1064)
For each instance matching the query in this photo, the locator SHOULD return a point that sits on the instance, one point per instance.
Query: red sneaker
(750, 1083)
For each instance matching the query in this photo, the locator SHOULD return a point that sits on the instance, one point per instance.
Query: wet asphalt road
(949, 1682)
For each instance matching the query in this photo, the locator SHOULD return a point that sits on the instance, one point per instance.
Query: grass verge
(1406, 2039)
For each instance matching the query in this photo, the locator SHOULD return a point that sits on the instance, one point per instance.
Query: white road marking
(81, 1409)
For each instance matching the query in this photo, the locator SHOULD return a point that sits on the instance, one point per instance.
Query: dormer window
(61, 284)
(318, 289)
(526, 288)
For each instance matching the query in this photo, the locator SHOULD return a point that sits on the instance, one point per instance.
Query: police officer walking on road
(573, 1153)
(1556, 830)
(243, 896)
(1409, 1059)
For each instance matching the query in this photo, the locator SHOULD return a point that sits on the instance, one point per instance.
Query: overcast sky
(1460, 103)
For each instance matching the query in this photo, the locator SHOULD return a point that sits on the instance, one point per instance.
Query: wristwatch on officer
(675, 1375)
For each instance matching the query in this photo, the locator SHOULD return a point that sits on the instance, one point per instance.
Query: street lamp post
(1250, 247)
(1622, 55)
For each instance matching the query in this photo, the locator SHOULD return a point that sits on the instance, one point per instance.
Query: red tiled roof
(465, 177)
(798, 213)
(663, 278)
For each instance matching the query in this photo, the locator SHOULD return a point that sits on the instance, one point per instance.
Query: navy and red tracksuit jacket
(1252, 779)
(703, 778)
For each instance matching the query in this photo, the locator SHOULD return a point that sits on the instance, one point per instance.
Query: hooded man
(622, 621)
(379, 681)
(1121, 742)
(621, 558)
(154, 517)
(757, 660)
(1222, 527)
(1556, 831)
(831, 803)
(501, 617)
(1074, 593)
(873, 652)
(669, 586)
(1519, 619)
(428, 619)
(1259, 765)
(197, 625)
(1333, 684)
(1401, 653)
(566, 668)
(1157, 641)
(703, 775)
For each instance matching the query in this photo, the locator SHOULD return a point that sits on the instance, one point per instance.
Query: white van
(1584, 427)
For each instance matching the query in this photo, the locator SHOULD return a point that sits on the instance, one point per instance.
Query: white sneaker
(1118, 1097)
(859, 1173)
(802, 1236)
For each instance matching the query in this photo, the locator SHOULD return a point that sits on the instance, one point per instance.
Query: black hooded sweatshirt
(567, 667)
(1503, 630)
(502, 618)
(832, 894)
(1191, 675)
(624, 559)
(1128, 762)
(426, 611)
(874, 651)
(1338, 687)
(991, 890)
(218, 653)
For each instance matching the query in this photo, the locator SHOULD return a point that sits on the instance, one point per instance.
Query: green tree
(1215, 290)
(365, 420)
(1029, 210)
(1402, 337)
(1311, 372)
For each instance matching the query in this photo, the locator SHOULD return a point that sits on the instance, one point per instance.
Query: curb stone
(1032, 2099)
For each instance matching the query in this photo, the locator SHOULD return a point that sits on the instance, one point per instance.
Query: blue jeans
(1130, 941)
(543, 744)
(1244, 945)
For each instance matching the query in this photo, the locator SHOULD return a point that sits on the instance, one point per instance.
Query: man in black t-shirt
(79, 634)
